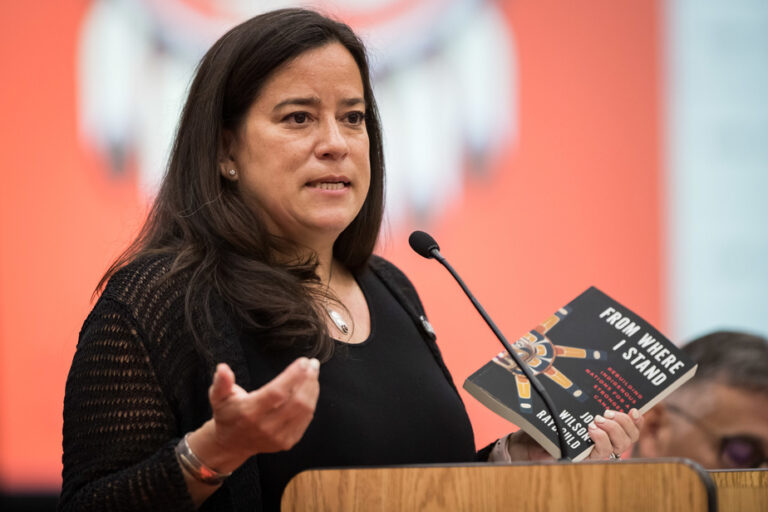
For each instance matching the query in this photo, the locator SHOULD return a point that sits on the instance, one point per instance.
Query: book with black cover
(591, 355)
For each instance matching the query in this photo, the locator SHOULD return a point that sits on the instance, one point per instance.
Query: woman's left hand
(614, 433)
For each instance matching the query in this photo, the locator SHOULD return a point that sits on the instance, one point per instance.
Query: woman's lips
(324, 185)
(330, 183)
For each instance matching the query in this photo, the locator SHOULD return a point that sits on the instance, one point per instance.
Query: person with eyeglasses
(720, 417)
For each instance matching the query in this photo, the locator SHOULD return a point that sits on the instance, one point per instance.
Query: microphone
(424, 245)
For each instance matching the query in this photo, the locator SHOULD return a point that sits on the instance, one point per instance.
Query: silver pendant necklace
(337, 319)
(334, 315)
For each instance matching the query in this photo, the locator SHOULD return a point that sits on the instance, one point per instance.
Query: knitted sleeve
(119, 430)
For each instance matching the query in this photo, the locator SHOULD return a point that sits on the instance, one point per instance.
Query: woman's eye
(297, 117)
(355, 118)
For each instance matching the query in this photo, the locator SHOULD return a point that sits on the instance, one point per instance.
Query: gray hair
(733, 358)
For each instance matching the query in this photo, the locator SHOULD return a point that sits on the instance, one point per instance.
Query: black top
(383, 401)
(137, 385)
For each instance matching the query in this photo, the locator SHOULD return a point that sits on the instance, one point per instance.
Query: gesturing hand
(269, 419)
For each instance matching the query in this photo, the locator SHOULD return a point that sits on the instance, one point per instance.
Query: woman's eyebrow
(310, 100)
(351, 102)
(314, 101)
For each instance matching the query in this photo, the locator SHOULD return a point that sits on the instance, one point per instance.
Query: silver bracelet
(195, 467)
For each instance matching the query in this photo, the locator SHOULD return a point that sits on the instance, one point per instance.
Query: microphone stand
(513, 354)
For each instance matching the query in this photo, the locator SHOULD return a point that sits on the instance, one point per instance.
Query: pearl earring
(232, 172)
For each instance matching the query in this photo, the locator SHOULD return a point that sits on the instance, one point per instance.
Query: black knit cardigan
(137, 384)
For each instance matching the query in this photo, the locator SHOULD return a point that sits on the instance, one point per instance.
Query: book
(592, 355)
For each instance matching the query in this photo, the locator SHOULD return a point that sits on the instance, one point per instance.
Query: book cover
(591, 355)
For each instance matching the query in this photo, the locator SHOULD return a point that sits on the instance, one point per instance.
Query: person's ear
(654, 435)
(227, 164)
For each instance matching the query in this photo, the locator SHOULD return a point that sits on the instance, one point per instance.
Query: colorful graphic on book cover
(538, 351)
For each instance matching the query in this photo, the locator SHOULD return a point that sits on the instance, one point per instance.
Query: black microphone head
(423, 244)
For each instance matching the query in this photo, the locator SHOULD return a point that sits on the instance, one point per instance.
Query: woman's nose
(332, 143)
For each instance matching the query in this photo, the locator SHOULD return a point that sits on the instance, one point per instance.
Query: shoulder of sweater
(381, 265)
(389, 272)
(146, 284)
(398, 284)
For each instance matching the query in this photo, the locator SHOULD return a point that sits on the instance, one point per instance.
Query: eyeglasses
(736, 452)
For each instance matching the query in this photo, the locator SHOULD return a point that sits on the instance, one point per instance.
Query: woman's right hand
(269, 419)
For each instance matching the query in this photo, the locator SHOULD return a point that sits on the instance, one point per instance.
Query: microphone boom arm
(435, 253)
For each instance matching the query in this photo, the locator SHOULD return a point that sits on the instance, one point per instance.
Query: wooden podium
(629, 486)
(741, 490)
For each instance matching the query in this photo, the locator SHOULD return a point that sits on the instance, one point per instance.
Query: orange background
(575, 202)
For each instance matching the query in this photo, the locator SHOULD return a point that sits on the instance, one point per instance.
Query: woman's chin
(318, 231)
(332, 223)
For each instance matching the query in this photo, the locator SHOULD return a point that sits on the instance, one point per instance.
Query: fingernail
(592, 425)
(635, 414)
(599, 419)
(314, 364)
(610, 414)
(303, 363)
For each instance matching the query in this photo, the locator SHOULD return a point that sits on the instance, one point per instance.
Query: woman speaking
(196, 382)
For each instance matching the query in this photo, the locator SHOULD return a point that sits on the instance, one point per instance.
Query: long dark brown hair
(199, 219)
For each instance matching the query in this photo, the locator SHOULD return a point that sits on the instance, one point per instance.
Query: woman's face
(301, 155)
